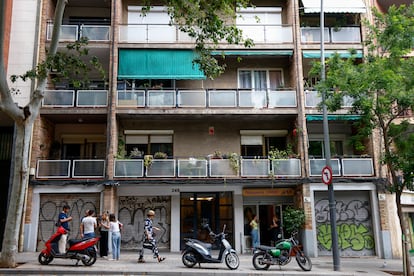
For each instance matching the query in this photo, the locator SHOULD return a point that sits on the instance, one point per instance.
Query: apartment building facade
(159, 135)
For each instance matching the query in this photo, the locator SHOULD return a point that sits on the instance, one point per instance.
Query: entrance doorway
(199, 208)
(265, 214)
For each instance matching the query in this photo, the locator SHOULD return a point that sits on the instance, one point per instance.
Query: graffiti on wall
(49, 212)
(132, 213)
(354, 227)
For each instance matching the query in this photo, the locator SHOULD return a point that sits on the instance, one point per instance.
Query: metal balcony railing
(166, 33)
(343, 166)
(313, 99)
(83, 168)
(202, 167)
(225, 98)
(82, 98)
(72, 33)
(332, 34)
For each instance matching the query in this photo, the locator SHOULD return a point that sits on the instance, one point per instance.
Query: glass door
(213, 208)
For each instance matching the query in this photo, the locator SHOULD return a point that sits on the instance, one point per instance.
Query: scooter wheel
(232, 260)
(44, 258)
(189, 259)
(91, 253)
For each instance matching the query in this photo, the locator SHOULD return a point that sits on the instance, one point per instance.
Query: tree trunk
(20, 179)
(404, 239)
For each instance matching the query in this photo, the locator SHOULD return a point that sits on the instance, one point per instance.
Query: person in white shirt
(88, 225)
(115, 228)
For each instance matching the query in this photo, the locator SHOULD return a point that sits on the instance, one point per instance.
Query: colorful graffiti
(354, 226)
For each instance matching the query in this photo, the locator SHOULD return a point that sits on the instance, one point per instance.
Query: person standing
(115, 229)
(275, 230)
(88, 225)
(103, 241)
(149, 235)
(64, 222)
(255, 231)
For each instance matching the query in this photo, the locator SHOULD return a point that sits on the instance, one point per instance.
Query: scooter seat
(265, 247)
(74, 241)
(204, 244)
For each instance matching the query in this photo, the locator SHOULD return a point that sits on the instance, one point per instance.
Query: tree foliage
(209, 22)
(382, 88)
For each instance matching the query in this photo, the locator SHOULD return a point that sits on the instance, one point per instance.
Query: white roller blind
(136, 139)
(251, 140)
(161, 139)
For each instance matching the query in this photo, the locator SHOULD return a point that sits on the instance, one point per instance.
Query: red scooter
(79, 249)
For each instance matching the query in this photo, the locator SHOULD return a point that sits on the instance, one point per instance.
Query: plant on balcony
(234, 159)
(148, 160)
(121, 148)
(135, 154)
(160, 155)
(217, 155)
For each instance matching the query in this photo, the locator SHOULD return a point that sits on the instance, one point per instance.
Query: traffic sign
(327, 175)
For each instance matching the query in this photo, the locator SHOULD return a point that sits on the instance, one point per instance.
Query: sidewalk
(127, 265)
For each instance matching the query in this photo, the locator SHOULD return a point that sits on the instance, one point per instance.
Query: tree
(205, 21)
(382, 87)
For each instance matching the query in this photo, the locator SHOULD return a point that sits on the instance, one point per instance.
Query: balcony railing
(343, 166)
(202, 167)
(332, 35)
(93, 168)
(82, 98)
(226, 98)
(75, 32)
(165, 33)
(313, 99)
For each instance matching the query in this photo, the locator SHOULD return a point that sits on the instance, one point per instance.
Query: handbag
(147, 244)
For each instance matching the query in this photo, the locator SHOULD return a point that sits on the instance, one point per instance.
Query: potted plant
(160, 155)
(217, 155)
(234, 159)
(293, 220)
(135, 154)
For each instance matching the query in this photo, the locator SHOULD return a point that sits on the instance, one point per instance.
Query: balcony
(332, 35)
(313, 99)
(226, 98)
(72, 98)
(343, 166)
(72, 33)
(203, 168)
(165, 33)
(94, 168)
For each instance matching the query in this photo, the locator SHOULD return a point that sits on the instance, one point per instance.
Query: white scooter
(200, 252)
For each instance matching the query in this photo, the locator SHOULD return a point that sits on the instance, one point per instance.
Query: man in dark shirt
(64, 222)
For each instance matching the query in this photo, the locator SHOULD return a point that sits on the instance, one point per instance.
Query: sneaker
(140, 260)
(160, 259)
(105, 257)
(111, 259)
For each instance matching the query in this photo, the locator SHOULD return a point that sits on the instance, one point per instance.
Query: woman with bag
(149, 238)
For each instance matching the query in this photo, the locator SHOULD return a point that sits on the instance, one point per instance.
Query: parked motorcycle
(79, 249)
(200, 252)
(281, 254)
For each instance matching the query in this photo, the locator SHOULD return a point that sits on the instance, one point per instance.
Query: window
(317, 148)
(260, 79)
(259, 144)
(149, 143)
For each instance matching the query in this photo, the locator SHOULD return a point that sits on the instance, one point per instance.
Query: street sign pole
(331, 194)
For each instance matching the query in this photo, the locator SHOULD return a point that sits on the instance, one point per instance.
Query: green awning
(329, 53)
(333, 117)
(158, 64)
(254, 53)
